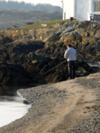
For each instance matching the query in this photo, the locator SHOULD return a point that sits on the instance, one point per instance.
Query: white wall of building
(69, 9)
(80, 9)
(83, 9)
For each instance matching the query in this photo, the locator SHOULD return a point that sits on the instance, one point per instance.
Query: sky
(53, 2)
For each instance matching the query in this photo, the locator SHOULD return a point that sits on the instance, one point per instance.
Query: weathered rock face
(26, 61)
(5, 39)
(84, 36)
(16, 69)
(12, 77)
(3, 55)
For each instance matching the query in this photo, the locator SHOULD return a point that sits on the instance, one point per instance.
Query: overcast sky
(53, 2)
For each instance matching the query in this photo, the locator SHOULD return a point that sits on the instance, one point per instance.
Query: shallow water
(11, 111)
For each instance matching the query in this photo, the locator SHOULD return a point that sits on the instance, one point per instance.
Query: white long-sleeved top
(70, 54)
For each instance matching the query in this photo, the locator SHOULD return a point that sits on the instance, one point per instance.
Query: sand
(66, 107)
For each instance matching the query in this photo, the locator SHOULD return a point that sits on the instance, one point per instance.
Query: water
(11, 111)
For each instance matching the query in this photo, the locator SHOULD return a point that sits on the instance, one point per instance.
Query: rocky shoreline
(65, 107)
(33, 56)
(29, 53)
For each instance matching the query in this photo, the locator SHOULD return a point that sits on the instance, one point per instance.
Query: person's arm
(66, 54)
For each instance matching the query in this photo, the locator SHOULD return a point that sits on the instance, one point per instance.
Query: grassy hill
(13, 14)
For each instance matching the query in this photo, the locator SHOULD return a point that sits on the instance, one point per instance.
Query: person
(71, 56)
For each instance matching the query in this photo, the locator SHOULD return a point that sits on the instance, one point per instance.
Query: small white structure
(80, 9)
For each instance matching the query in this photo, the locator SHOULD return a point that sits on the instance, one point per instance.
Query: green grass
(38, 24)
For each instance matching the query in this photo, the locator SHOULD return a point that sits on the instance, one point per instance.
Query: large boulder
(71, 37)
(5, 39)
(3, 55)
(26, 46)
(13, 76)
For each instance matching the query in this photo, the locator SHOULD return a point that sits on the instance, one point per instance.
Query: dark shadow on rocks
(56, 70)
(8, 90)
(13, 77)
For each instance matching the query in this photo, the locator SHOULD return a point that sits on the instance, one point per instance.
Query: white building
(81, 9)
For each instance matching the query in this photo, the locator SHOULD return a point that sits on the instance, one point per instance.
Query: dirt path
(65, 115)
(58, 111)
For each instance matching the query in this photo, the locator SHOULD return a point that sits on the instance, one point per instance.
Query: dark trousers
(71, 69)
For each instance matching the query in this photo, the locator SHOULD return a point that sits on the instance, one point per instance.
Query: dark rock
(13, 76)
(26, 102)
(54, 37)
(97, 46)
(5, 39)
(4, 57)
(29, 46)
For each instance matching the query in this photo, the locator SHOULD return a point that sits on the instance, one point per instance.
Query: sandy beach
(66, 107)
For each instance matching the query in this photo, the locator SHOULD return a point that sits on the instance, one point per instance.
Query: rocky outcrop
(44, 61)
(83, 35)
(12, 77)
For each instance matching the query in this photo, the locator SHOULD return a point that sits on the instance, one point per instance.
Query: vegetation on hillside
(15, 14)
